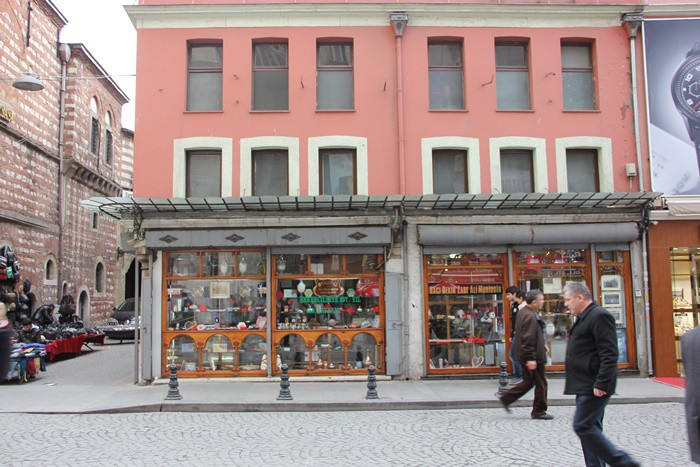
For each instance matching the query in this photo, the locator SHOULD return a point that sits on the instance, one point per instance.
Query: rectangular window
(203, 173)
(108, 147)
(582, 170)
(577, 77)
(270, 76)
(94, 220)
(334, 71)
(95, 136)
(445, 76)
(512, 76)
(338, 172)
(204, 77)
(517, 172)
(270, 173)
(449, 171)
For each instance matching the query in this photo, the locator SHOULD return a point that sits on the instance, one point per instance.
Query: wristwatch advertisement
(685, 89)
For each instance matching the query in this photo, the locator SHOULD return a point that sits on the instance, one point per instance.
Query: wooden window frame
(324, 151)
(465, 153)
(255, 152)
(190, 70)
(207, 152)
(459, 68)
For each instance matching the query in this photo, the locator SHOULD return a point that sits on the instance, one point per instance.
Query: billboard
(672, 60)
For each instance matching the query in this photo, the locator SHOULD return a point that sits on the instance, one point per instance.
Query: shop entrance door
(685, 282)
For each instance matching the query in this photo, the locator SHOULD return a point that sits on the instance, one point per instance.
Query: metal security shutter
(393, 292)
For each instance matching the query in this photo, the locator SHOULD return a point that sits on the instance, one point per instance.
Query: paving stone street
(653, 433)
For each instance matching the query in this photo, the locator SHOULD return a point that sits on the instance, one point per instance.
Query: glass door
(685, 268)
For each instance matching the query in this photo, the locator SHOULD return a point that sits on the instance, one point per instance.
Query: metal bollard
(503, 378)
(371, 384)
(173, 391)
(285, 394)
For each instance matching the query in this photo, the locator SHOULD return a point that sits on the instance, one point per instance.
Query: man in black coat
(591, 374)
(529, 348)
(690, 350)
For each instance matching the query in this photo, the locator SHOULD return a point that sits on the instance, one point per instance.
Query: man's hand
(598, 392)
(531, 365)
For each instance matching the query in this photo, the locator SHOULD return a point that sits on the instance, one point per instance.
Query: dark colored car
(125, 311)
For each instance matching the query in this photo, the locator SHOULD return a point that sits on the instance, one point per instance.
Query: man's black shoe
(544, 416)
(505, 406)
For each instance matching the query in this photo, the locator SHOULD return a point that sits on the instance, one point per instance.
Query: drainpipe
(634, 21)
(64, 54)
(399, 22)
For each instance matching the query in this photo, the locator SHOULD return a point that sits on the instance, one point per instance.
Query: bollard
(173, 392)
(371, 384)
(503, 378)
(285, 394)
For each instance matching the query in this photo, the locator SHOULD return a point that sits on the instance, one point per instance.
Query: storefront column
(155, 313)
(415, 341)
(640, 318)
(146, 335)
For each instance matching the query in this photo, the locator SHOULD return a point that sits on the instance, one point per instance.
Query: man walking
(591, 374)
(515, 297)
(528, 345)
(690, 350)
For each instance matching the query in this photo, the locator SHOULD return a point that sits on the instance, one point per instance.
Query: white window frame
(470, 145)
(248, 145)
(358, 143)
(606, 182)
(538, 146)
(207, 143)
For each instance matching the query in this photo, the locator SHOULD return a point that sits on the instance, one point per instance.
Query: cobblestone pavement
(653, 433)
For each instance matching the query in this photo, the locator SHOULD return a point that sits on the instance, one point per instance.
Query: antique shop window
(204, 76)
(338, 171)
(270, 168)
(445, 75)
(218, 298)
(270, 76)
(464, 317)
(449, 171)
(203, 173)
(512, 75)
(577, 76)
(329, 309)
(334, 72)
(517, 173)
(615, 295)
(685, 287)
(582, 170)
(183, 353)
(549, 271)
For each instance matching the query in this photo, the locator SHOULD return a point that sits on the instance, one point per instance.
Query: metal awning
(120, 208)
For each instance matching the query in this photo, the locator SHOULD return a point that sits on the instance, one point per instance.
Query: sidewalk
(244, 396)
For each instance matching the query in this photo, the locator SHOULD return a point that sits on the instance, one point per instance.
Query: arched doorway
(83, 309)
(129, 289)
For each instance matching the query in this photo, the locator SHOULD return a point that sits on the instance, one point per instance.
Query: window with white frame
(449, 171)
(577, 76)
(338, 171)
(270, 76)
(582, 170)
(203, 173)
(445, 75)
(205, 67)
(517, 174)
(334, 72)
(512, 75)
(269, 171)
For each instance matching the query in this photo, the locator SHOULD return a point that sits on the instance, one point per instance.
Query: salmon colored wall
(518, 2)
(161, 90)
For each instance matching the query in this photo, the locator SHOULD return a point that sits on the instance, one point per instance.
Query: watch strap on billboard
(695, 50)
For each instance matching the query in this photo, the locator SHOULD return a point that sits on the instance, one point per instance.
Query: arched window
(109, 144)
(94, 127)
(50, 270)
(99, 278)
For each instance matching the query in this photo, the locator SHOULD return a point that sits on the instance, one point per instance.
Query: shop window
(252, 352)
(613, 284)
(512, 75)
(270, 76)
(328, 353)
(204, 76)
(363, 352)
(338, 171)
(449, 171)
(517, 174)
(99, 278)
(685, 289)
(293, 352)
(582, 170)
(334, 62)
(217, 354)
(182, 352)
(270, 169)
(203, 173)
(577, 76)
(445, 75)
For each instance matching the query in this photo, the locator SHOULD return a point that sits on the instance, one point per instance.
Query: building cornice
(351, 14)
(659, 11)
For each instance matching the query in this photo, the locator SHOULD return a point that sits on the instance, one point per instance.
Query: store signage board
(465, 289)
(328, 288)
(6, 114)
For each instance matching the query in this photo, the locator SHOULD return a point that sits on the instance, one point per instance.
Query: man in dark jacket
(690, 350)
(529, 348)
(591, 374)
(515, 297)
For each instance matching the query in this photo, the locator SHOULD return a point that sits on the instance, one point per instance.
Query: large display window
(328, 313)
(464, 317)
(215, 314)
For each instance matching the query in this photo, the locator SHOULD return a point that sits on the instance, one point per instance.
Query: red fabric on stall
(65, 345)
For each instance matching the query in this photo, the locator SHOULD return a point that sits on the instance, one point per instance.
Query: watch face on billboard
(672, 58)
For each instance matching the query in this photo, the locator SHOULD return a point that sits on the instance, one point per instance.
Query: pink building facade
(331, 186)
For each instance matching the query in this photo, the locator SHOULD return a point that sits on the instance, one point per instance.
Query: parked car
(122, 322)
(125, 311)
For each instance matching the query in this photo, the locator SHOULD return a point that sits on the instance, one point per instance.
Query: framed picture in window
(610, 282)
(619, 315)
(219, 289)
(612, 299)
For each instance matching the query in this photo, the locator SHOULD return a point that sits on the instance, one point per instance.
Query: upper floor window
(270, 168)
(449, 171)
(577, 76)
(270, 76)
(203, 174)
(445, 75)
(94, 127)
(512, 75)
(517, 174)
(582, 170)
(204, 77)
(338, 172)
(334, 62)
(108, 139)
